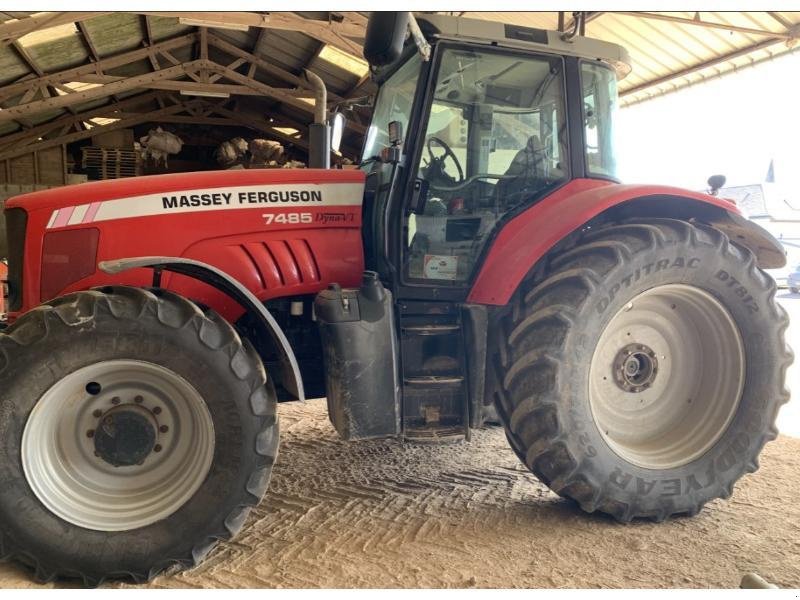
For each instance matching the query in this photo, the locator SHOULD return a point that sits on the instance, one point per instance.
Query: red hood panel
(153, 184)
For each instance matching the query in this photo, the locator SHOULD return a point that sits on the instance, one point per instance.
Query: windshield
(394, 103)
(600, 109)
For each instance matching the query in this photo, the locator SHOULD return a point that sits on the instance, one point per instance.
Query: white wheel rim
(60, 462)
(680, 394)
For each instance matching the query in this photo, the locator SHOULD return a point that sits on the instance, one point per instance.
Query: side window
(599, 111)
(494, 140)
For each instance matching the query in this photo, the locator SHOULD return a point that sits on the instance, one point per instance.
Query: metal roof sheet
(671, 50)
(668, 50)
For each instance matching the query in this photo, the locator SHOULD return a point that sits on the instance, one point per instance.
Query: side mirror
(386, 33)
(338, 122)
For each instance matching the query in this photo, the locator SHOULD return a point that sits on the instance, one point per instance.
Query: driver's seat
(526, 171)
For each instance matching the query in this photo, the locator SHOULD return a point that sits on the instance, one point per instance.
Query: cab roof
(516, 36)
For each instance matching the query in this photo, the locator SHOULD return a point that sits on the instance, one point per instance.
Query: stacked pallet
(110, 163)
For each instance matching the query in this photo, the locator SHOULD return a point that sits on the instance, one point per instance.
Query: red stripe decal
(93, 208)
(63, 216)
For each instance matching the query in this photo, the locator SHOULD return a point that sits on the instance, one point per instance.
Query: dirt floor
(468, 514)
(386, 514)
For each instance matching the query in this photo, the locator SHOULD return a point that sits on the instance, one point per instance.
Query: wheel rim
(667, 376)
(102, 415)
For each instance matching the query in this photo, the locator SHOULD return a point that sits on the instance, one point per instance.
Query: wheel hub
(666, 376)
(635, 368)
(125, 435)
(118, 445)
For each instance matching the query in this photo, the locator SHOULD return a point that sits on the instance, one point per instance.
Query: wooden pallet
(110, 163)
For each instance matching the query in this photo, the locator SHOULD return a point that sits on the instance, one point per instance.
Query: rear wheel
(640, 372)
(136, 432)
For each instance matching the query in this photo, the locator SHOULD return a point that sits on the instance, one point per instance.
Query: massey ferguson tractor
(483, 255)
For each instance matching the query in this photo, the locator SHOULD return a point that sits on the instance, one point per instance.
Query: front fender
(229, 286)
(529, 236)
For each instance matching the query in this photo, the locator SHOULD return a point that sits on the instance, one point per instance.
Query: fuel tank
(281, 232)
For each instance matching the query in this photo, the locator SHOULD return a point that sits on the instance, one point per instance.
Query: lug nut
(97, 414)
(115, 400)
(138, 399)
(157, 448)
(90, 433)
(163, 429)
(157, 410)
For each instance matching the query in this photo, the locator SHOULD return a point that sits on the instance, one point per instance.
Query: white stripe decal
(52, 219)
(78, 214)
(276, 196)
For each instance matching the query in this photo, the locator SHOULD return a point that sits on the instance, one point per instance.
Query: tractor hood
(280, 232)
(225, 183)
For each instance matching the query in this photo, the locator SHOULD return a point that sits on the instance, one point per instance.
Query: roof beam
(26, 58)
(111, 62)
(333, 32)
(700, 66)
(260, 63)
(708, 24)
(21, 137)
(82, 135)
(148, 39)
(275, 93)
(12, 30)
(779, 18)
(12, 112)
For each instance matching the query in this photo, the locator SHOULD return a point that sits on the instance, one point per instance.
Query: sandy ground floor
(468, 514)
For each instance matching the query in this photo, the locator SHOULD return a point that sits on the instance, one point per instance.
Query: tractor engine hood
(188, 184)
(280, 232)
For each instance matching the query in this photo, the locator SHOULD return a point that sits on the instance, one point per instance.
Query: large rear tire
(640, 371)
(135, 432)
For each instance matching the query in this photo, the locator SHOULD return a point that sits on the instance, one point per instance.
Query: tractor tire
(639, 372)
(135, 432)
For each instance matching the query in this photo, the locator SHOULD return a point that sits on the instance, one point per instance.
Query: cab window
(495, 140)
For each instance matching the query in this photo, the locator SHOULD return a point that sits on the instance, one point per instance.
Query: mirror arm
(423, 46)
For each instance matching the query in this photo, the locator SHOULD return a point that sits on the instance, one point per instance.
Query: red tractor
(484, 255)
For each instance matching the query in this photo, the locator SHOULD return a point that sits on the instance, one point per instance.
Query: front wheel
(640, 373)
(135, 432)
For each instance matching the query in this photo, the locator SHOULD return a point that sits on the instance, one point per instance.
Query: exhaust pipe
(319, 143)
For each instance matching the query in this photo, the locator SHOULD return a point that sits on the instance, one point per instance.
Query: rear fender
(529, 236)
(231, 288)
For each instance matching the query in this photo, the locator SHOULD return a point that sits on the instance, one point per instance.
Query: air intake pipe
(319, 142)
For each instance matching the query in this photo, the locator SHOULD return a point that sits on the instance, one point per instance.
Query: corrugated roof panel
(57, 54)
(167, 27)
(114, 33)
(660, 48)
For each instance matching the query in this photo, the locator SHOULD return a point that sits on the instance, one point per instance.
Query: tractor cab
(471, 125)
(507, 114)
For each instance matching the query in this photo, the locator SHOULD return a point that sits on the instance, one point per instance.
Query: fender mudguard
(529, 236)
(229, 286)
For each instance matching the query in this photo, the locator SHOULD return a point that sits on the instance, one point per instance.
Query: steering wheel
(448, 151)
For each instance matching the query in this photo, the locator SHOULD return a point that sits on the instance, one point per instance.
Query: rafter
(699, 67)
(148, 40)
(12, 112)
(709, 24)
(105, 64)
(260, 63)
(28, 135)
(127, 122)
(12, 30)
(333, 32)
